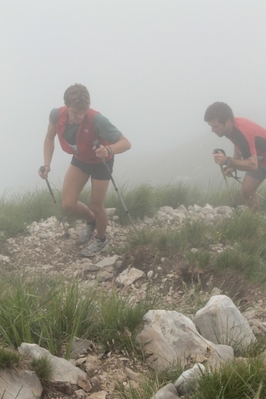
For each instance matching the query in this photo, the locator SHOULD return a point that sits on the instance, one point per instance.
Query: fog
(151, 66)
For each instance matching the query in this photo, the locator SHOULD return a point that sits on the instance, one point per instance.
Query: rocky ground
(180, 287)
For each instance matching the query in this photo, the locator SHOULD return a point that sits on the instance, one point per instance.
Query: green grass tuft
(42, 368)
(8, 358)
(120, 320)
(241, 379)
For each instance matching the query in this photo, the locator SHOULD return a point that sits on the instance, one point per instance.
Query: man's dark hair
(220, 111)
(77, 96)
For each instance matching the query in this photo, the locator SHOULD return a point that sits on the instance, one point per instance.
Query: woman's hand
(101, 152)
(43, 171)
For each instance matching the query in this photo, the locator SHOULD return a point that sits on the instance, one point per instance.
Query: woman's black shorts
(97, 171)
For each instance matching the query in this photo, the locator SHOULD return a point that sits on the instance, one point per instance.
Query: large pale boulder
(221, 322)
(188, 380)
(167, 392)
(22, 385)
(170, 338)
(62, 369)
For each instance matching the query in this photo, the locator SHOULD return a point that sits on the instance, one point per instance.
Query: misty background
(151, 66)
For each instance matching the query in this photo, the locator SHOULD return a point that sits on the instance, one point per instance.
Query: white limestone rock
(169, 338)
(62, 369)
(23, 385)
(221, 322)
(167, 392)
(129, 276)
(108, 261)
(188, 380)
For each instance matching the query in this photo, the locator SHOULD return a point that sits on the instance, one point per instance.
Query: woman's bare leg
(73, 184)
(98, 192)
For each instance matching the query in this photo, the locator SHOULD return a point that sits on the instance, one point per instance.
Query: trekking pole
(236, 177)
(217, 151)
(59, 213)
(96, 143)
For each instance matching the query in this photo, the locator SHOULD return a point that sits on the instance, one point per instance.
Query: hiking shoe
(95, 247)
(87, 232)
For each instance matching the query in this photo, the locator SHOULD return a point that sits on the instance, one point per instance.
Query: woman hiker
(77, 127)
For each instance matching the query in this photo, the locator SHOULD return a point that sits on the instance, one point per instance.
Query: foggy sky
(151, 66)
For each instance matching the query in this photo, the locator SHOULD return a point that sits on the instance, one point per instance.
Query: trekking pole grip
(219, 150)
(96, 143)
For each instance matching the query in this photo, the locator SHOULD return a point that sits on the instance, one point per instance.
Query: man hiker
(249, 141)
(78, 127)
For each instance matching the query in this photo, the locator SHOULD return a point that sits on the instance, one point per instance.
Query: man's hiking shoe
(87, 233)
(95, 247)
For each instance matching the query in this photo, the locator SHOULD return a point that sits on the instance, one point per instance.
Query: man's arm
(237, 162)
(237, 153)
(48, 149)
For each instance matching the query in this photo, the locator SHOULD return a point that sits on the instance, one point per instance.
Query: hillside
(179, 280)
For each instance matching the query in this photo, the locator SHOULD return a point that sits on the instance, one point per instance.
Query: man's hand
(219, 158)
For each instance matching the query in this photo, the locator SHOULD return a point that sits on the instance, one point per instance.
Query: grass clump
(143, 238)
(8, 358)
(44, 312)
(43, 369)
(237, 259)
(199, 260)
(51, 313)
(243, 225)
(151, 383)
(139, 202)
(178, 194)
(241, 379)
(119, 320)
(195, 233)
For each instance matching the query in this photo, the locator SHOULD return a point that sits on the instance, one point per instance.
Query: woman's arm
(48, 149)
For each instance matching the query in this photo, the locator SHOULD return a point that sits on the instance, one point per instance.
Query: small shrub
(42, 368)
